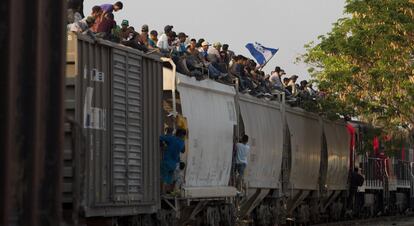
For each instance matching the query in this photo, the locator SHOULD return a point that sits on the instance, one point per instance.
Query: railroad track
(401, 220)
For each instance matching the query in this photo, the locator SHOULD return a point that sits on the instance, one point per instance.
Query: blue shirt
(175, 146)
(107, 8)
(181, 48)
(204, 53)
(152, 43)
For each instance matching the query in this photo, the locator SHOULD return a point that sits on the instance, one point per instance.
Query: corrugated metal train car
(111, 155)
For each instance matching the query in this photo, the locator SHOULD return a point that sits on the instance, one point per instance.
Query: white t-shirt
(275, 80)
(294, 89)
(163, 42)
(243, 151)
(213, 51)
(78, 27)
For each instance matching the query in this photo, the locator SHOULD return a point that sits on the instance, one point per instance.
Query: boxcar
(113, 112)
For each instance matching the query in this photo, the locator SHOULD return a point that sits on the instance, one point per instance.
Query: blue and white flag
(260, 53)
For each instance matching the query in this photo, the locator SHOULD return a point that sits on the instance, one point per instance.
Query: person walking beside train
(242, 153)
(174, 146)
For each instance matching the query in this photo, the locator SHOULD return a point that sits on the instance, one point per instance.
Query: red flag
(351, 131)
(375, 144)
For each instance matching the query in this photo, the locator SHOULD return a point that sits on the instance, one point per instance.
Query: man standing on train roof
(109, 8)
(242, 153)
(174, 146)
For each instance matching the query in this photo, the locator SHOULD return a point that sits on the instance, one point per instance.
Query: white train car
(209, 110)
(263, 122)
(298, 164)
(304, 148)
(298, 167)
(335, 165)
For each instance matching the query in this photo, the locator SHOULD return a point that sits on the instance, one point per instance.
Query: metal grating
(127, 126)
(68, 141)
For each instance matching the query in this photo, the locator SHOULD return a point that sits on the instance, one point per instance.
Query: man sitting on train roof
(214, 52)
(174, 146)
(165, 39)
(124, 32)
(144, 38)
(240, 69)
(276, 79)
(134, 41)
(153, 38)
(82, 26)
(292, 86)
(230, 54)
(193, 60)
(213, 68)
(181, 44)
(216, 56)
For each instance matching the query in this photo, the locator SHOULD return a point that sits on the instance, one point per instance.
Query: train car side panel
(263, 124)
(112, 148)
(210, 112)
(306, 136)
(337, 139)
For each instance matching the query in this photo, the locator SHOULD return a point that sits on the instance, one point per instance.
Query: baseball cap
(205, 43)
(168, 28)
(182, 34)
(125, 22)
(144, 28)
(217, 44)
(90, 20)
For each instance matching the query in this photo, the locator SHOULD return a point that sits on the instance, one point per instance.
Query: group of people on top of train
(196, 58)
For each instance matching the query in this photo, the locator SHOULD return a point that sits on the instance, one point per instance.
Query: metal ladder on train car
(386, 184)
(411, 184)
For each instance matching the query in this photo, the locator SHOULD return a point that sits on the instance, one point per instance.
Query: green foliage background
(364, 65)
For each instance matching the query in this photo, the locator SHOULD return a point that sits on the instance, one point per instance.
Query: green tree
(365, 64)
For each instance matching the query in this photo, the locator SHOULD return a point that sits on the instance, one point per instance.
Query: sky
(284, 24)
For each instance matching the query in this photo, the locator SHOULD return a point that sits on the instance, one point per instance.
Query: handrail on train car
(385, 168)
(174, 68)
(411, 169)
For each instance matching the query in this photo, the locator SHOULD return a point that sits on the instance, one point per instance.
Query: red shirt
(94, 27)
(105, 25)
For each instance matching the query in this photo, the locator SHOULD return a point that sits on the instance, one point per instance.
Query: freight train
(119, 101)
